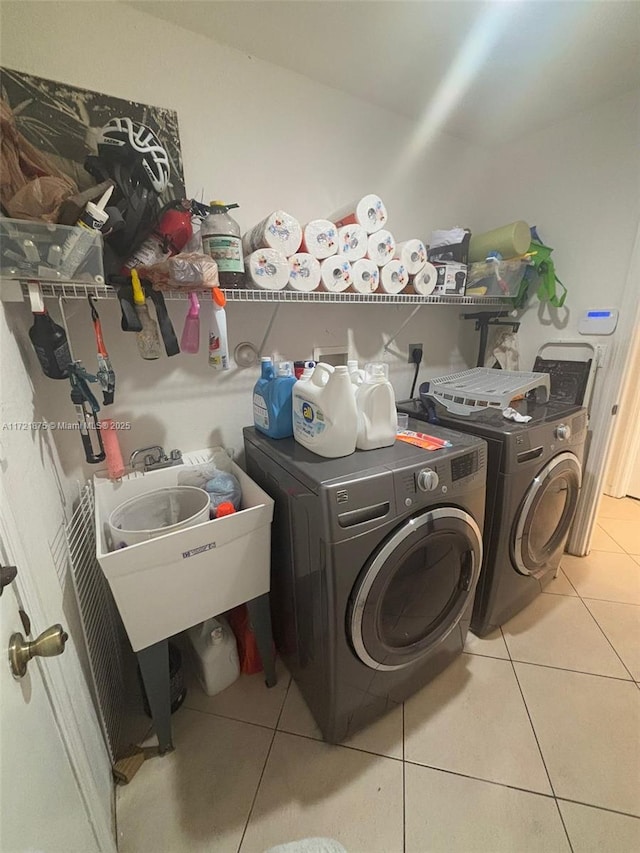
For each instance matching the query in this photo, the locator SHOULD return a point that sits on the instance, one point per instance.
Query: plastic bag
(250, 660)
(31, 187)
(188, 269)
(222, 488)
(220, 485)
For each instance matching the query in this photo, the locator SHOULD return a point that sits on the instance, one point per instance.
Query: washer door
(546, 514)
(415, 588)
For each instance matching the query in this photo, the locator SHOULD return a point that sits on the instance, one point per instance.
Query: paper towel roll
(368, 211)
(320, 238)
(267, 269)
(510, 240)
(365, 276)
(381, 246)
(352, 242)
(425, 281)
(304, 272)
(413, 255)
(394, 277)
(335, 274)
(278, 231)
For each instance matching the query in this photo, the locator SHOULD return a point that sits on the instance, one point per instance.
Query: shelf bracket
(406, 322)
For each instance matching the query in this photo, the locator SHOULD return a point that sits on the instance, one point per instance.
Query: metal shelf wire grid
(79, 290)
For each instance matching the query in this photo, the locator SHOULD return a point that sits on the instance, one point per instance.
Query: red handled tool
(105, 373)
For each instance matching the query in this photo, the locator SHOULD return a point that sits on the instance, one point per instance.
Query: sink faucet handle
(149, 458)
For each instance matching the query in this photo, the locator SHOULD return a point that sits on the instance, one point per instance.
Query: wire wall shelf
(80, 290)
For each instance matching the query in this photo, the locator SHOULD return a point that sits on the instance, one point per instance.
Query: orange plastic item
(225, 508)
(421, 439)
(250, 661)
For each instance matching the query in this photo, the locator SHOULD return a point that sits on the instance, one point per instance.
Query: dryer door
(415, 588)
(542, 524)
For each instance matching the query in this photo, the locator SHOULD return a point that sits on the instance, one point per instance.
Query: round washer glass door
(415, 588)
(546, 514)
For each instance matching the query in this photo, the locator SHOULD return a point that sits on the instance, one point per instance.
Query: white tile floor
(529, 742)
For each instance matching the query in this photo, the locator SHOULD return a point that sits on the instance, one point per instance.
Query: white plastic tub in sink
(169, 583)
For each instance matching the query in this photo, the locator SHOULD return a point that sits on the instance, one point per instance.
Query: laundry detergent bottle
(278, 397)
(376, 404)
(260, 409)
(325, 418)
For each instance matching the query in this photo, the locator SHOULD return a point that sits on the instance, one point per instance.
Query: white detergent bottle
(376, 403)
(325, 418)
(355, 374)
(215, 654)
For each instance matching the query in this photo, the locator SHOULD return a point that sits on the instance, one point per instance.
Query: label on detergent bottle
(308, 419)
(226, 251)
(260, 412)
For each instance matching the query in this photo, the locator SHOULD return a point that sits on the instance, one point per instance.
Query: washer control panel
(563, 432)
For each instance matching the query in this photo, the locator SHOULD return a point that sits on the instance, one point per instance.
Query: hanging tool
(106, 375)
(86, 407)
(148, 339)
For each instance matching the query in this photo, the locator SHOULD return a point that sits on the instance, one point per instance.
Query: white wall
(265, 137)
(579, 182)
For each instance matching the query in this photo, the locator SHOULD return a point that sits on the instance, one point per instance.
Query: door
(42, 806)
(415, 588)
(545, 517)
(633, 489)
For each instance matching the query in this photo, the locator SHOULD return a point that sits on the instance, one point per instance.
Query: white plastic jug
(215, 654)
(325, 418)
(376, 403)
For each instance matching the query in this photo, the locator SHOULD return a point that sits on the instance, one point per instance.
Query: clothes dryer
(534, 475)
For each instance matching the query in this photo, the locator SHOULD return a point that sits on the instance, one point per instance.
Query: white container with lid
(376, 403)
(325, 418)
(215, 654)
(355, 374)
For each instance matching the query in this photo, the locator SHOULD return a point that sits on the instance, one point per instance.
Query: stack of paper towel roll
(350, 249)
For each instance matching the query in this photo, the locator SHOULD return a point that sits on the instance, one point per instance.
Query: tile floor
(529, 742)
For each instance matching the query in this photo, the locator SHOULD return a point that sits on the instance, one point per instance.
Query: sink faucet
(155, 457)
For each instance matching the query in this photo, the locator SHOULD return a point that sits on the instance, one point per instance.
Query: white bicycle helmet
(129, 140)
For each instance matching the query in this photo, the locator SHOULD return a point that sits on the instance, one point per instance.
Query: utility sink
(167, 584)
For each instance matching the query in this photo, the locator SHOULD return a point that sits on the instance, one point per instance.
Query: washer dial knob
(563, 432)
(428, 480)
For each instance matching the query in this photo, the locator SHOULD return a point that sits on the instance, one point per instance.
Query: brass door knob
(49, 644)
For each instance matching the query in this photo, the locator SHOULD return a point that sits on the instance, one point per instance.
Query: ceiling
(482, 71)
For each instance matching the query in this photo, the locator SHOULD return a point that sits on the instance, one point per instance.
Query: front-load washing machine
(534, 475)
(375, 560)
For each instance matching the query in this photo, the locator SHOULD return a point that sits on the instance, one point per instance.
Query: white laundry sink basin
(174, 581)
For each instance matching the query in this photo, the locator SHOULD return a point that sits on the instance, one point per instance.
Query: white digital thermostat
(598, 321)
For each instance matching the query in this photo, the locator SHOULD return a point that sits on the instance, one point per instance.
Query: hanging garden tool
(148, 339)
(86, 407)
(106, 375)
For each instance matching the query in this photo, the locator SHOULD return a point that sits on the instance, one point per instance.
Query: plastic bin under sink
(169, 583)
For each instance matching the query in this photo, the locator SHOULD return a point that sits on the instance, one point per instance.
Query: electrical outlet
(413, 347)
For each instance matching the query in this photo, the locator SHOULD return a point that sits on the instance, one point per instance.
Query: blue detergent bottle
(279, 394)
(261, 417)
